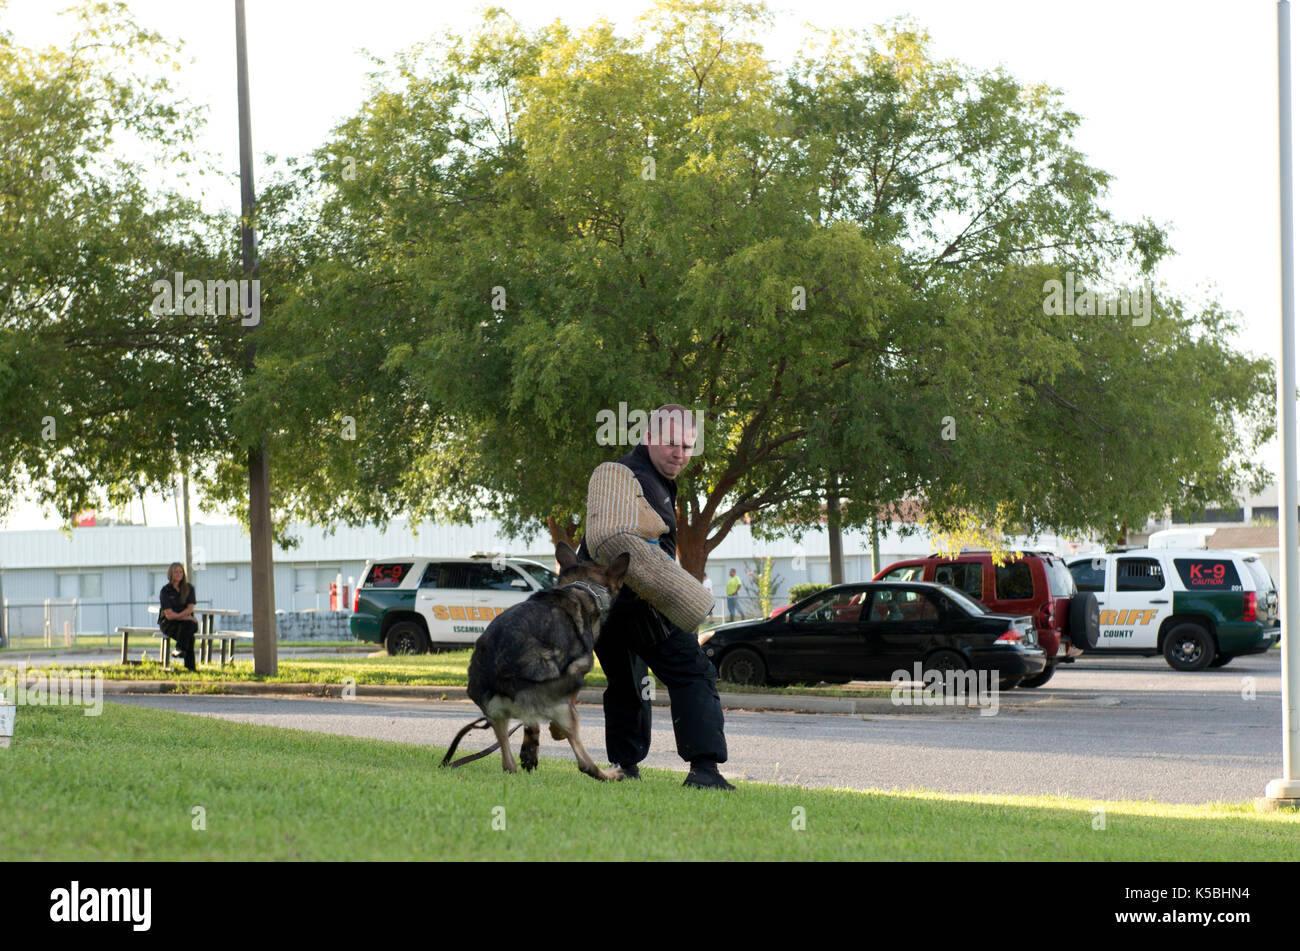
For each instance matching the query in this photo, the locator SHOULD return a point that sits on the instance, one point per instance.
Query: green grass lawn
(125, 786)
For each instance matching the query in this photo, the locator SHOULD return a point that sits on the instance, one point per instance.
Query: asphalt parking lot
(1110, 728)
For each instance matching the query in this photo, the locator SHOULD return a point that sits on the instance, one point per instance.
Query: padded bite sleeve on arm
(619, 520)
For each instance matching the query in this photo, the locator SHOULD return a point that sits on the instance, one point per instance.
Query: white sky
(1179, 101)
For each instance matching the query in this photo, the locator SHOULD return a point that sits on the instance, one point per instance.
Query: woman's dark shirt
(173, 600)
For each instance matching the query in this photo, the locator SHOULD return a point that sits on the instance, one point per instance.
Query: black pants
(182, 632)
(636, 637)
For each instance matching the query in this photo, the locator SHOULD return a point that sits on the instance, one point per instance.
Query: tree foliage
(839, 264)
(100, 393)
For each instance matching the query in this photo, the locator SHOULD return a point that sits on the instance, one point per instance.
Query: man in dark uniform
(636, 636)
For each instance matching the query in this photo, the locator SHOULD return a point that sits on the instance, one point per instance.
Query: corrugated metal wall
(132, 560)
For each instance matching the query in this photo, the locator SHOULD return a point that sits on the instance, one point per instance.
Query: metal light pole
(259, 468)
(1286, 791)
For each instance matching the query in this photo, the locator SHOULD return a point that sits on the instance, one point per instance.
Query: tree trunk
(691, 540)
(833, 530)
(265, 649)
(189, 538)
(875, 547)
(562, 532)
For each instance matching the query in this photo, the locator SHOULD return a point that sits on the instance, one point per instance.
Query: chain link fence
(71, 622)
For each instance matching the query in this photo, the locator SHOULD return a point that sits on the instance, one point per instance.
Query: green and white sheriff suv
(417, 604)
(1199, 608)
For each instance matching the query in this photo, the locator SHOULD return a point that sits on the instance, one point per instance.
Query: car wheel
(942, 661)
(1189, 647)
(743, 666)
(1039, 679)
(1084, 620)
(1010, 683)
(1221, 659)
(406, 637)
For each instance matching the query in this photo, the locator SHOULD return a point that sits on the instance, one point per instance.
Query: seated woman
(176, 611)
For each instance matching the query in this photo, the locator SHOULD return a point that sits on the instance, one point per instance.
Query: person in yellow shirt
(733, 596)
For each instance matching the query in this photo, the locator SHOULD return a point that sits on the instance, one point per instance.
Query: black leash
(482, 723)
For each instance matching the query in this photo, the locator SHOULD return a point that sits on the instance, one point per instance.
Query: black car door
(902, 623)
(823, 640)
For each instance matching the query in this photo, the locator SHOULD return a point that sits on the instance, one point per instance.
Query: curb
(591, 695)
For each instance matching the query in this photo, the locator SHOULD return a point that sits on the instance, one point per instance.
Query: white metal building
(115, 573)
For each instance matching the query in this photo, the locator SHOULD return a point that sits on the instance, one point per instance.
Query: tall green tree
(102, 391)
(843, 265)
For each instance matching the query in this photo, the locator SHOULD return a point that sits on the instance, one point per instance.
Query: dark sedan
(868, 631)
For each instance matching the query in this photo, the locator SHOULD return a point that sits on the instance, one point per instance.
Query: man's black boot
(704, 775)
(630, 772)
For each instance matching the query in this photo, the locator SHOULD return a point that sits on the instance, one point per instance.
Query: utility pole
(1285, 792)
(259, 467)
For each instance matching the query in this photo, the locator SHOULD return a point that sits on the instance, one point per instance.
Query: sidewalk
(786, 703)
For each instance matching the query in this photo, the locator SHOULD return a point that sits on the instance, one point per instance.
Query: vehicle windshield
(1059, 580)
(965, 600)
(544, 577)
(906, 573)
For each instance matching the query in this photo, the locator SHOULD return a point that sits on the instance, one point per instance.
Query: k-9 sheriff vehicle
(417, 604)
(1199, 608)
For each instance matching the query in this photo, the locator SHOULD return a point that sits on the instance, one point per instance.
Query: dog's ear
(565, 555)
(618, 568)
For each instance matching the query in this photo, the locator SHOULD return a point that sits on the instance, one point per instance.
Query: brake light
(1250, 607)
(356, 602)
(1011, 636)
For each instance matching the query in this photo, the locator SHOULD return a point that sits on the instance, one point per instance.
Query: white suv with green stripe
(1199, 608)
(416, 604)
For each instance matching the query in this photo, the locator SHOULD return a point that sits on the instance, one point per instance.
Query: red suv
(1037, 584)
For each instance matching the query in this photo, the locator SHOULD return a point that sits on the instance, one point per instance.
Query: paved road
(1107, 729)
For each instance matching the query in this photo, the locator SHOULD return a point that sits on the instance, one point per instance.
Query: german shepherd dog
(532, 659)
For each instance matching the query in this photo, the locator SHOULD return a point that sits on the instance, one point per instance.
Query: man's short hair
(666, 415)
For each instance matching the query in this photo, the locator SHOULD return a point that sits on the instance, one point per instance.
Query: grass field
(128, 785)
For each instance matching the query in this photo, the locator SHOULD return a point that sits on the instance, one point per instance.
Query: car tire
(1084, 620)
(743, 666)
(1039, 679)
(1221, 660)
(1189, 647)
(1010, 683)
(941, 661)
(406, 637)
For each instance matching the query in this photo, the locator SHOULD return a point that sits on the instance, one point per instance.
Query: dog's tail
(482, 723)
